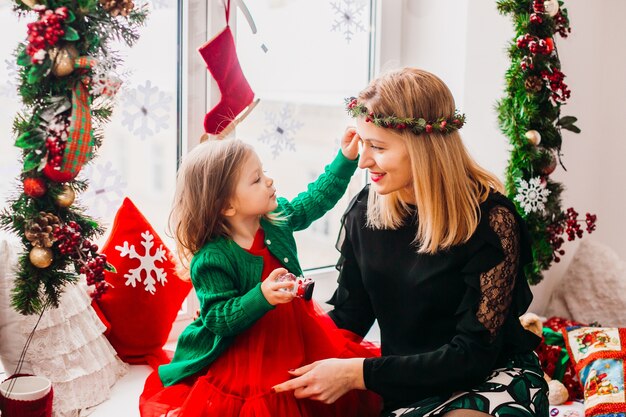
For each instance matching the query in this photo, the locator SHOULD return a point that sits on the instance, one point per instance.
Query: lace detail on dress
(496, 285)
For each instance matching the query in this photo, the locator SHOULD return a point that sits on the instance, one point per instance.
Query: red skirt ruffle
(239, 382)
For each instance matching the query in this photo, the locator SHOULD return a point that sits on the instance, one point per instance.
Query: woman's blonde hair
(448, 184)
(205, 184)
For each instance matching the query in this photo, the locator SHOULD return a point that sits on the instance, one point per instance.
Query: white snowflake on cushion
(279, 134)
(348, 12)
(146, 110)
(532, 195)
(148, 263)
(106, 189)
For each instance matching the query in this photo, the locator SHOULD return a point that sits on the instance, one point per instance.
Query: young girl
(250, 331)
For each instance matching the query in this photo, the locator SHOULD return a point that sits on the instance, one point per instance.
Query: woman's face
(387, 159)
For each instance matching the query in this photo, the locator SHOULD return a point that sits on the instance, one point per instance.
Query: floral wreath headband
(416, 126)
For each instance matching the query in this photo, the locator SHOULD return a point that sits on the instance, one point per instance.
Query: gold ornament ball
(66, 197)
(30, 3)
(40, 257)
(63, 60)
(552, 7)
(534, 137)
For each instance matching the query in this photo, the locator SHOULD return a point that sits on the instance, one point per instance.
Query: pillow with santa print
(144, 294)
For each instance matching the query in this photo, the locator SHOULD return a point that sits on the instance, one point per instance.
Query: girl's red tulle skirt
(239, 382)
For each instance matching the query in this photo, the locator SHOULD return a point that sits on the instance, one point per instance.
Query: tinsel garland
(59, 131)
(530, 116)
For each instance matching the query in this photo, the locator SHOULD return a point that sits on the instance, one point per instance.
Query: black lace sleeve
(496, 285)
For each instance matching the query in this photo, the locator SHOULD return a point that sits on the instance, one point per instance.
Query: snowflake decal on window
(106, 189)
(282, 128)
(348, 17)
(147, 263)
(146, 110)
(532, 195)
(161, 4)
(9, 89)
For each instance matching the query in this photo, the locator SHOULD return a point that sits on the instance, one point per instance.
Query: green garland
(530, 115)
(416, 126)
(55, 232)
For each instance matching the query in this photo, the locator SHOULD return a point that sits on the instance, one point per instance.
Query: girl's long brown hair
(205, 184)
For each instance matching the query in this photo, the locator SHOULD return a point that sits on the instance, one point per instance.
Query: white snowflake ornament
(147, 263)
(281, 131)
(348, 17)
(532, 195)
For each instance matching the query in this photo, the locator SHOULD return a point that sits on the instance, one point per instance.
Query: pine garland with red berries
(530, 115)
(67, 82)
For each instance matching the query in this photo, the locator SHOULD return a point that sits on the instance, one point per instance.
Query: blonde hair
(448, 184)
(205, 184)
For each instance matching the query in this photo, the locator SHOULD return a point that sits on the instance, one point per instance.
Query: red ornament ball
(34, 187)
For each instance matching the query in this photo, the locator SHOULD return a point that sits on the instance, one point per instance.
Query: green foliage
(89, 28)
(523, 109)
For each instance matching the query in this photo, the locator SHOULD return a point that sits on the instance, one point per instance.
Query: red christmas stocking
(221, 59)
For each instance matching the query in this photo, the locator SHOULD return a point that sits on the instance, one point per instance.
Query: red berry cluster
(538, 6)
(45, 32)
(68, 238)
(84, 254)
(559, 89)
(57, 138)
(536, 18)
(571, 226)
(562, 25)
(93, 269)
(535, 44)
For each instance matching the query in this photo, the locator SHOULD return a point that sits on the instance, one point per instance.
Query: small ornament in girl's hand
(302, 287)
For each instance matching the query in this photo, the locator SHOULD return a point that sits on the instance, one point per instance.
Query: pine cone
(117, 7)
(40, 230)
(533, 84)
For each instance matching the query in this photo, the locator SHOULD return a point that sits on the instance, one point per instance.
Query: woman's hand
(271, 289)
(326, 380)
(350, 144)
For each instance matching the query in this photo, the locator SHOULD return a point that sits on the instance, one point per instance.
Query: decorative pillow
(598, 354)
(145, 293)
(593, 289)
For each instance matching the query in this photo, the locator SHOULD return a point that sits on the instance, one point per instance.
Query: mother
(436, 254)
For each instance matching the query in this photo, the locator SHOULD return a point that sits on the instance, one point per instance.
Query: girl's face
(387, 159)
(255, 194)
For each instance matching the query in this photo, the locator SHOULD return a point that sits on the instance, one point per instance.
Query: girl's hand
(271, 288)
(350, 144)
(326, 380)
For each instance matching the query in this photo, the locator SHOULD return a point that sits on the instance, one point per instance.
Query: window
(304, 60)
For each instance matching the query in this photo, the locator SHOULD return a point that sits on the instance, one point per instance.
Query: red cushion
(141, 304)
